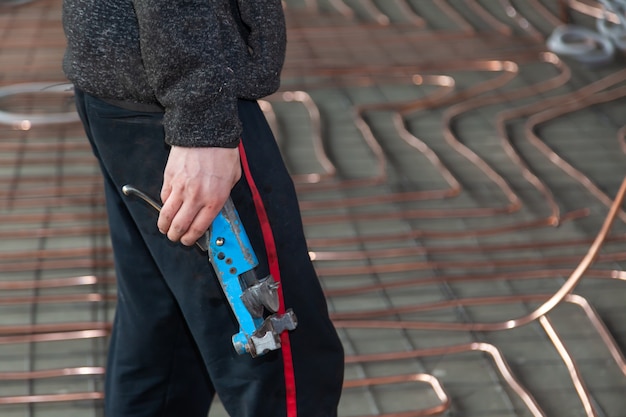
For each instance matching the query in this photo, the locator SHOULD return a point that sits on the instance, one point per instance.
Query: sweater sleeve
(184, 46)
(266, 41)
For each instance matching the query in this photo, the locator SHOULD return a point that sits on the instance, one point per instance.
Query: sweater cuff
(203, 127)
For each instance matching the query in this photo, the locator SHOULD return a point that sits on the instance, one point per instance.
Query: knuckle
(178, 229)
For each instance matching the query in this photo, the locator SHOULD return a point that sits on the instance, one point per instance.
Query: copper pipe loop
(461, 186)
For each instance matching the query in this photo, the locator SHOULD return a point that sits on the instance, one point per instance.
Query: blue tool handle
(229, 248)
(231, 255)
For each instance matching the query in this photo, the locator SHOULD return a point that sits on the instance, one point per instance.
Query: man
(166, 91)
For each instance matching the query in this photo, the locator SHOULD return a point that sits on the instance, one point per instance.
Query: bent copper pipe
(456, 17)
(599, 326)
(329, 169)
(495, 354)
(548, 305)
(506, 116)
(575, 376)
(51, 336)
(432, 381)
(564, 74)
(553, 220)
(572, 368)
(373, 144)
(541, 9)
(593, 10)
(489, 18)
(523, 23)
(452, 112)
(546, 115)
(409, 13)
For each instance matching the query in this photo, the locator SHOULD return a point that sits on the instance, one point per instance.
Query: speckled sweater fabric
(195, 58)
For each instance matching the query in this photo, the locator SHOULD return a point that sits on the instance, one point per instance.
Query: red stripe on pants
(272, 258)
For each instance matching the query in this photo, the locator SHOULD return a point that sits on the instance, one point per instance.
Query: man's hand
(196, 184)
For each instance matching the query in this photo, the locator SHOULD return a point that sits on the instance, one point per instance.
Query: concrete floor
(452, 177)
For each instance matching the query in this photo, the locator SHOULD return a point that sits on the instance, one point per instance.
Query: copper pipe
(433, 382)
(8, 161)
(543, 11)
(58, 299)
(49, 254)
(501, 364)
(547, 115)
(57, 218)
(31, 329)
(496, 276)
(380, 176)
(488, 18)
(54, 264)
(455, 16)
(495, 354)
(599, 326)
(329, 169)
(34, 182)
(95, 200)
(505, 117)
(523, 23)
(342, 8)
(438, 214)
(408, 12)
(49, 398)
(448, 116)
(55, 336)
(45, 232)
(313, 71)
(593, 10)
(53, 283)
(52, 147)
(320, 255)
(544, 308)
(51, 373)
(372, 9)
(621, 138)
(562, 77)
(417, 234)
(579, 384)
(408, 266)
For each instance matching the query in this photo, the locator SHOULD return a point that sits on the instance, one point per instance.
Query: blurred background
(460, 165)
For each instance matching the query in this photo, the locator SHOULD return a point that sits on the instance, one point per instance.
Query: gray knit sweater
(195, 58)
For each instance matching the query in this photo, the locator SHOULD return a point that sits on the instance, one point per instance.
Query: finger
(168, 213)
(183, 219)
(166, 191)
(199, 226)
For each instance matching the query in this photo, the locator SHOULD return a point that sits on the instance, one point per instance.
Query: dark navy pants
(171, 350)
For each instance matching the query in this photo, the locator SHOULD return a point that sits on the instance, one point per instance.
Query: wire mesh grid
(460, 187)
